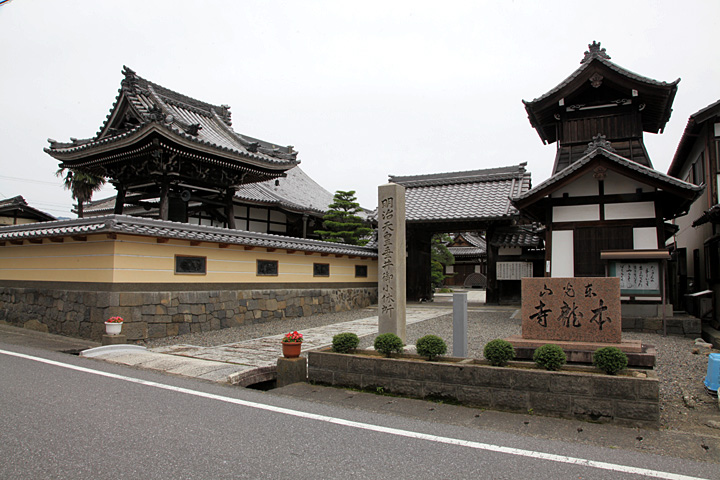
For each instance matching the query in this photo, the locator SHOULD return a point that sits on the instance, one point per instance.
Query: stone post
(391, 261)
(460, 324)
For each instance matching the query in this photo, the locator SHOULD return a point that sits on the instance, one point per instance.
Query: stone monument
(392, 254)
(580, 314)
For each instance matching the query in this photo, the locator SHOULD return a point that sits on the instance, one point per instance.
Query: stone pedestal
(391, 262)
(114, 339)
(291, 370)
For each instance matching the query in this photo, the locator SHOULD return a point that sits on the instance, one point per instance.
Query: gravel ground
(683, 402)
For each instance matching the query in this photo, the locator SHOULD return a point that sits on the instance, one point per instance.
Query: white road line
(375, 428)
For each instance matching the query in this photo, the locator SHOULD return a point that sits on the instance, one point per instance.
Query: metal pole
(460, 337)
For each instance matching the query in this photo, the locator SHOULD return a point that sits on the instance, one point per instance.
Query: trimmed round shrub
(345, 342)
(610, 360)
(499, 352)
(431, 346)
(388, 343)
(550, 357)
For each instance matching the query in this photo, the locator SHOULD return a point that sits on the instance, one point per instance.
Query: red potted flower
(291, 344)
(113, 325)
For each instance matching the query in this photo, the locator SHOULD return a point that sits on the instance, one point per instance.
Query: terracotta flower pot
(113, 328)
(291, 349)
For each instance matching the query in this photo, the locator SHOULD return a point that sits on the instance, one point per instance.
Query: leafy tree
(439, 257)
(341, 224)
(81, 185)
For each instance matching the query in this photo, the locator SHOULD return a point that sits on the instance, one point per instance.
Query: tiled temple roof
(657, 96)
(11, 206)
(516, 238)
(469, 195)
(142, 106)
(181, 231)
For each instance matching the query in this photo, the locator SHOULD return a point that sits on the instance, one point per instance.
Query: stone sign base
(639, 355)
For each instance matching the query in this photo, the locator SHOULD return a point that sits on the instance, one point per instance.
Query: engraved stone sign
(391, 250)
(582, 309)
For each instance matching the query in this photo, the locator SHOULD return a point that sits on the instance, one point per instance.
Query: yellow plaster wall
(134, 259)
(69, 261)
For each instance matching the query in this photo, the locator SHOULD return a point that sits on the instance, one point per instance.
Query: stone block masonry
(579, 394)
(158, 314)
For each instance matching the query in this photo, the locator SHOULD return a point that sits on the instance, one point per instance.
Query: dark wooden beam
(195, 243)
(163, 240)
(79, 238)
(57, 239)
(112, 236)
(249, 247)
(37, 241)
(16, 242)
(223, 245)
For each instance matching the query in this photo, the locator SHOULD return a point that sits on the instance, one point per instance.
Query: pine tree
(341, 223)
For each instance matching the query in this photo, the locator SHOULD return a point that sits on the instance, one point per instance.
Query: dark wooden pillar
(230, 207)
(492, 294)
(164, 200)
(419, 285)
(119, 200)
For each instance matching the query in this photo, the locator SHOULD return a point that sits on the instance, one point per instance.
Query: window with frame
(361, 271)
(187, 265)
(321, 269)
(267, 267)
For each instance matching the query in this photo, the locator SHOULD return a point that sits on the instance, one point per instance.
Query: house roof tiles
(470, 195)
(183, 231)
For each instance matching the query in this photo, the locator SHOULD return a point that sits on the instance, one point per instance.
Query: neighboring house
(470, 267)
(16, 211)
(604, 207)
(696, 245)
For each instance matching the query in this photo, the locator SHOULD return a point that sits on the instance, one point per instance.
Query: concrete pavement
(242, 363)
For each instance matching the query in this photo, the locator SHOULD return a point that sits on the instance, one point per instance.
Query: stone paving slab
(264, 352)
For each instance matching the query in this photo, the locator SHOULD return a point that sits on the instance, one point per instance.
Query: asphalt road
(64, 416)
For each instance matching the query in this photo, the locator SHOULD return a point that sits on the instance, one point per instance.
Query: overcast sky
(363, 90)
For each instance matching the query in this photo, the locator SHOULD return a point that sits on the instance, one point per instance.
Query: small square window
(190, 265)
(321, 270)
(267, 267)
(361, 271)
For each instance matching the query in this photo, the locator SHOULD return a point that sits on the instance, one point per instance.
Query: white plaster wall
(616, 183)
(576, 213)
(563, 255)
(622, 211)
(582, 187)
(645, 238)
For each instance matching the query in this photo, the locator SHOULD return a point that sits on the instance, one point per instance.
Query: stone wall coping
(99, 351)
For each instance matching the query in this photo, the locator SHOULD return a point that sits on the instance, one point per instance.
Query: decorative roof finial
(594, 51)
(127, 71)
(599, 141)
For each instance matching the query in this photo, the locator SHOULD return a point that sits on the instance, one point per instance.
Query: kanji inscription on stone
(391, 272)
(581, 309)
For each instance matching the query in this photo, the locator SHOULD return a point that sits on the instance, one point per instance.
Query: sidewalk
(241, 363)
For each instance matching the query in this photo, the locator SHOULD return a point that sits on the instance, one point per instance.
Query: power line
(30, 180)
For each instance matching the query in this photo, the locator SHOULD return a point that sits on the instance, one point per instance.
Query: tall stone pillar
(392, 251)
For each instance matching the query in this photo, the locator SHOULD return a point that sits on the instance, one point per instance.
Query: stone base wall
(160, 314)
(595, 397)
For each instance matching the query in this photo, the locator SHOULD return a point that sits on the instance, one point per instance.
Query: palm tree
(82, 185)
